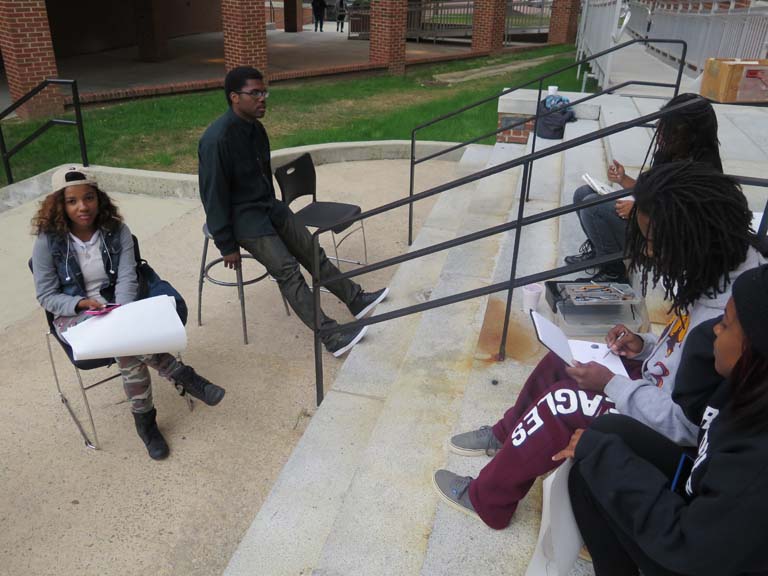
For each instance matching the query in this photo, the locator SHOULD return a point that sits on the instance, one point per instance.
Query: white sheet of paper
(555, 339)
(597, 185)
(559, 538)
(146, 326)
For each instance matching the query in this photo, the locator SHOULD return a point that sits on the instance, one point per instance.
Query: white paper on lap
(147, 326)
(559, 538)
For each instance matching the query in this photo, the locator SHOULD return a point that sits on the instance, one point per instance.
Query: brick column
(293, 15)
(488, 26)
(388, 25)
(150, 30)
(25, 41)
(564, 21)
(245, 33)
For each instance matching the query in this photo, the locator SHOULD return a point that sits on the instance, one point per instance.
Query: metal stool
(205, 275)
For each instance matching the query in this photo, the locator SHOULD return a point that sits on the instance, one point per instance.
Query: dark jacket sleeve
(696, 379)
(721, 532)
(216, 195)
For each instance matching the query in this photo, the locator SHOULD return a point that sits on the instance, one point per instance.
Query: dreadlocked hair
(688, 133)
(699, 231)
(51, 217)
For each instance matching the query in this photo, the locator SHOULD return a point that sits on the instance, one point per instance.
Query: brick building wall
(488, 26)
(25, 41)
(564, 21)
(388, 27)
(245, 33)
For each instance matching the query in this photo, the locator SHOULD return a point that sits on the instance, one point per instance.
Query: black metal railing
(526, 183)
(77, 122)
(521, 221)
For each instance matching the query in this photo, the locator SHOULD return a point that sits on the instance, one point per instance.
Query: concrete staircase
(356, 496)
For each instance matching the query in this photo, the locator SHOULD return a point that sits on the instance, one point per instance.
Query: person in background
(690, 232)
(631, 512)
(83, 258)
(689, 133)
(341, 14)
(242, 211)
(318, 13)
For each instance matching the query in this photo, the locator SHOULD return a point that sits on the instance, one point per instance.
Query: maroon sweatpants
(540, 424)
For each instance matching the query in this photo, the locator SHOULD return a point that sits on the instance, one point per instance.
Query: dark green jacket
(236, 181)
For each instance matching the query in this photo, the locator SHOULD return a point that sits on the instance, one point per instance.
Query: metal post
(527, 183)
(410, 191)
(79, 120)
(513, 272)
(6, 160)
(316, 327)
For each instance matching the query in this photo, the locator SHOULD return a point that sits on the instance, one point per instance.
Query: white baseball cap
(71, 176)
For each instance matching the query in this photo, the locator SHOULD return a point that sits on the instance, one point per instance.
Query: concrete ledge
(523, 102)
(175, 185)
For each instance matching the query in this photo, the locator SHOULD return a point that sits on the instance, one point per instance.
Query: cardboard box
(734, 80)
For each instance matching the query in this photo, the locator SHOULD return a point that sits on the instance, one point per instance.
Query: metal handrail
(521, 221)
(77, 122)
(537, 116)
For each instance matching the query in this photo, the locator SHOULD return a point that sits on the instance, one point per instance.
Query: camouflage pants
(137, 382)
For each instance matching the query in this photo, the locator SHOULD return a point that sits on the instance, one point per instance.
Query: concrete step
(630, 146)
(387, 514)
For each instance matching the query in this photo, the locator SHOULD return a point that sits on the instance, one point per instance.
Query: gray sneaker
(475, 443)
(454, 490)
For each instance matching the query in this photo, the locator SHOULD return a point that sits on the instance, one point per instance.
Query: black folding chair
(298, 178)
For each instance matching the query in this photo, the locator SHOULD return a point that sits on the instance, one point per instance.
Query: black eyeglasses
(256, 93)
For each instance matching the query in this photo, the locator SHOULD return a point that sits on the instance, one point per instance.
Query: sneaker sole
(372, 305)
(469, 451)
(354, 341)
(452, 503)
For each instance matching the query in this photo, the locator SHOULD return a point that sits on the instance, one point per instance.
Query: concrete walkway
(201, 57)
(68, 510)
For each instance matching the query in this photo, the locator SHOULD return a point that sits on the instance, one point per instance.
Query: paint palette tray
(593, 294)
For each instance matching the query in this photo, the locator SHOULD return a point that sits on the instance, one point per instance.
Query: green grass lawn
(162, 133)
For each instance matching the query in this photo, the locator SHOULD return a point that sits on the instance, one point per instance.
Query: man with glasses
(241, 209)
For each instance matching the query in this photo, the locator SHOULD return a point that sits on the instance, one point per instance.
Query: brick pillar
(564, 22)
(245, 33)
(293, 15)
(388, 26)
(514, 134)
(150, 30)
(25, 41)
(488, 26)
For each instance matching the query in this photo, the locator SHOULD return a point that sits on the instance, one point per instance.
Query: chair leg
(95, 444)
(365, 243)
(241, 296)
(200, 284)
(336, 250)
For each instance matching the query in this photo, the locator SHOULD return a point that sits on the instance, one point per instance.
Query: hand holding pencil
(622, 342)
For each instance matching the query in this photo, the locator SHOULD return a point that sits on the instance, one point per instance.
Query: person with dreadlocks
(690, 231)
(687, 133)
(713, 521)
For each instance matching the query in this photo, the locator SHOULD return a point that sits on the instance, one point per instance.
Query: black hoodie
(719, 527)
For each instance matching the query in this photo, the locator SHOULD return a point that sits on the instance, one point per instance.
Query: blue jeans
(600, 223)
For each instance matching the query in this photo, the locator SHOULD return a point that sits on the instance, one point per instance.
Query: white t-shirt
(91, 264)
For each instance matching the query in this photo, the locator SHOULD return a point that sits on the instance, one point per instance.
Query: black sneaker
(341, 343)
(190, 381)
(586, 253)
(367, 301)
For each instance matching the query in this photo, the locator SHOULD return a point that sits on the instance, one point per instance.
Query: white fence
(598, 31)
(709, 31)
